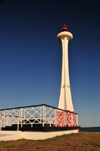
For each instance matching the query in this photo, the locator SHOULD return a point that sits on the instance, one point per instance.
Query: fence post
(55, 118)
(50, 118)
(0, 123)
(43, 116)
(4, 118)
(18, 125)
(77, 119)
(21, 115)
(18, 122)
(64, 119)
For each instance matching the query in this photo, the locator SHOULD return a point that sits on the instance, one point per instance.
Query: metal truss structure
(38, 114)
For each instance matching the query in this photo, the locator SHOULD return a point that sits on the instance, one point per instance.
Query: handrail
(35, 106)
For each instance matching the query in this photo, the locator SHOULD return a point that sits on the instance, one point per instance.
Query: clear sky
(31, 57)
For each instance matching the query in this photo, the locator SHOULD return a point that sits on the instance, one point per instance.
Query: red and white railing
(38, 114)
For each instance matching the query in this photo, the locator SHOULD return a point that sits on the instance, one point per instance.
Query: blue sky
(31, 57)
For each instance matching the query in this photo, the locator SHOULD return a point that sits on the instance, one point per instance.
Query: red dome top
(64, 25)
(64, 28)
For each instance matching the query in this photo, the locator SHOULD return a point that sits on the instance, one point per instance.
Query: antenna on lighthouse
(65, 99)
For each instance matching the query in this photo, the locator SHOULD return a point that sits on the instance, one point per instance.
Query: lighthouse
(44, 118)
(65, 99)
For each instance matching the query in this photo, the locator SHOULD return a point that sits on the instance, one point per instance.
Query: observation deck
(37, 118)
(65, 31)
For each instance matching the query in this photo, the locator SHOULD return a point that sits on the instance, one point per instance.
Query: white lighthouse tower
(65, 99)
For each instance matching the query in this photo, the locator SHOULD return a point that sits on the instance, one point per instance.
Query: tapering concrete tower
(65, 99)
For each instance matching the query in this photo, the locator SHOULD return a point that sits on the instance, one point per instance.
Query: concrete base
(10, 135)
(15, 135)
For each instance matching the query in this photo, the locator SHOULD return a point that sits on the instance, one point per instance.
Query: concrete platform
(15, 135)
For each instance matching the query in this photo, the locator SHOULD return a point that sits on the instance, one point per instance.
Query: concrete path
(15, 135)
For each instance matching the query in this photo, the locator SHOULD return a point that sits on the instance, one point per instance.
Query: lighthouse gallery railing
(37, 114)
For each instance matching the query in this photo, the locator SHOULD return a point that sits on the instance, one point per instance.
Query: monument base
(32, 135)
(36, 122)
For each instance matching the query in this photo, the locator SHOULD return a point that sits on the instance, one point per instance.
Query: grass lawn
(84, 141)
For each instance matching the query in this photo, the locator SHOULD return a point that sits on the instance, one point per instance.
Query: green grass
(84, 141)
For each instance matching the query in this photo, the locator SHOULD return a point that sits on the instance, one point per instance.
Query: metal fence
(37, 114)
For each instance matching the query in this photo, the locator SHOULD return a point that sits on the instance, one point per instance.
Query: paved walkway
(10, 135)
(15, 135)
